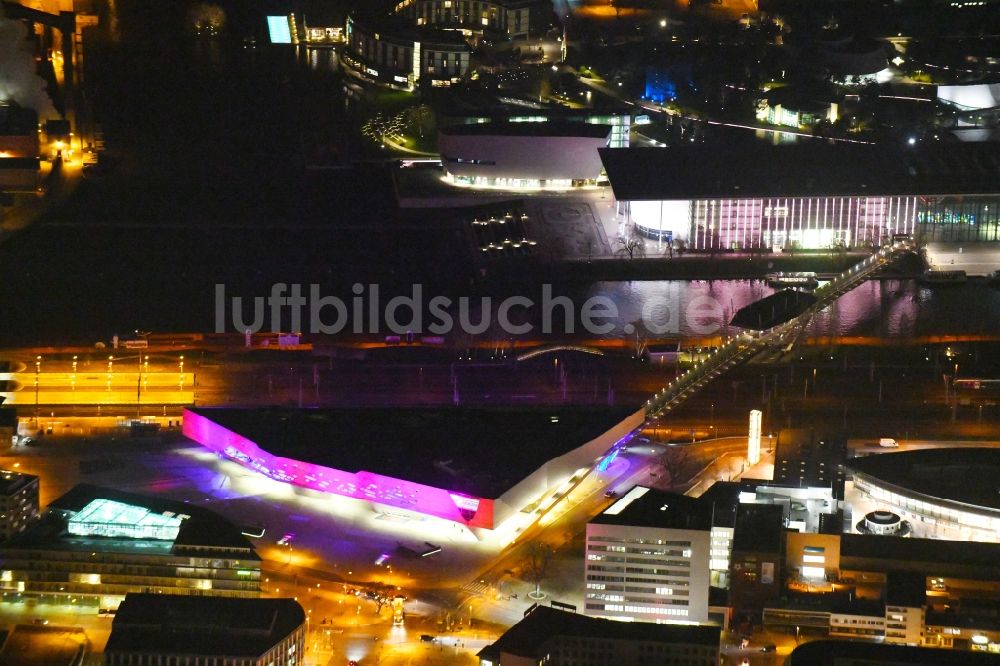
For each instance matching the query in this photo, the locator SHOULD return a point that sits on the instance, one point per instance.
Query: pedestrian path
(743, 346)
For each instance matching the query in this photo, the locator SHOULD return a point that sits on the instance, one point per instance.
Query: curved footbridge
(743, 346)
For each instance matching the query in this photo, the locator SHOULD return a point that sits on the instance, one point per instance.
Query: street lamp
(38, 369)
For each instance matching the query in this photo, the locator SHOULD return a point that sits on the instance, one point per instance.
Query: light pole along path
(744, 345)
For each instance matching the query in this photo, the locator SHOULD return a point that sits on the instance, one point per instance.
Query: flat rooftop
(528, 636)
(916, 553)
(969, 476)
(480, 452)
(207, 626)
(558, 128)
(31, 645)
(833, 652)
(806, 169)
(645, 507)
(12, 482)
(200, 528)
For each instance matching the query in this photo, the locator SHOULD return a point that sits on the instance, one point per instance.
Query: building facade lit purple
(774, 222)
(363, 485)
(522, 497)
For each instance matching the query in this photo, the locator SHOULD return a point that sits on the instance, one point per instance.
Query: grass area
(392, 101)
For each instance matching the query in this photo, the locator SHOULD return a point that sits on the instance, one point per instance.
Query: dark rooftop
(725, 496)
(906, 588)
(920, 552)
(969, 476)
(563, 128)
(203, 528)
(209, 626)
(759, 528)
(811, 168)
(830, 652)
(778, 308)
(526, 637)
(983, 622)
(12, 482)
(391, 27)
(36, 645)
(19, 163)
(655, 508)
(805, 457)
(483, 452)
(17, 120)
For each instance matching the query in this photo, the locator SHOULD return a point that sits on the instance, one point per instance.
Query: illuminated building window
(813, 572)
(107, 518)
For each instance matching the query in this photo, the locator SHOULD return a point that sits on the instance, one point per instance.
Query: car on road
(770, 647)
(888, 442)
(610, 494)
(426, 638)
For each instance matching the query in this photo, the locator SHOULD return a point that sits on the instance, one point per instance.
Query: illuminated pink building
(217, 430)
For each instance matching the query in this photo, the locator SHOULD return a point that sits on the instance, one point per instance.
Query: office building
(388, 51)
(198, 631)
(18, 502)
(905, 591)
(510, 19)
(560, 638)
(648, 559)
(95, 545)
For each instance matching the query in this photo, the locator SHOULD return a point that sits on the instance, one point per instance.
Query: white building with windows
(649, 559)
(94, 545)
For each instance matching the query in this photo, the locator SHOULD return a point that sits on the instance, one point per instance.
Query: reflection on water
(888, 308)
(322, 59)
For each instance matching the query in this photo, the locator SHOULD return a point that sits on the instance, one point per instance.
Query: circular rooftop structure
(953, 488)
(884, 522)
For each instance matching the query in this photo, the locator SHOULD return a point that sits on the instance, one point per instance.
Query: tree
(671, 463)
(536, 566)
(206, 17)
(420, 118)
(631, 244)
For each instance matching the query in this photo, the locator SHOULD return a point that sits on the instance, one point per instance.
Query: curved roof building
(954, 489)
(513, 155)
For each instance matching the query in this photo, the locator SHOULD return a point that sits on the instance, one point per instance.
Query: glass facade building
(809, 195)
(959, 218)
(815, 222)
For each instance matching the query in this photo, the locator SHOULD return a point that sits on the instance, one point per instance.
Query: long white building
(555, 154)
(808, 195)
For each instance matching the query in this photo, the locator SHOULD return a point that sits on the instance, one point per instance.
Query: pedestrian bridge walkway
(746, 344)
